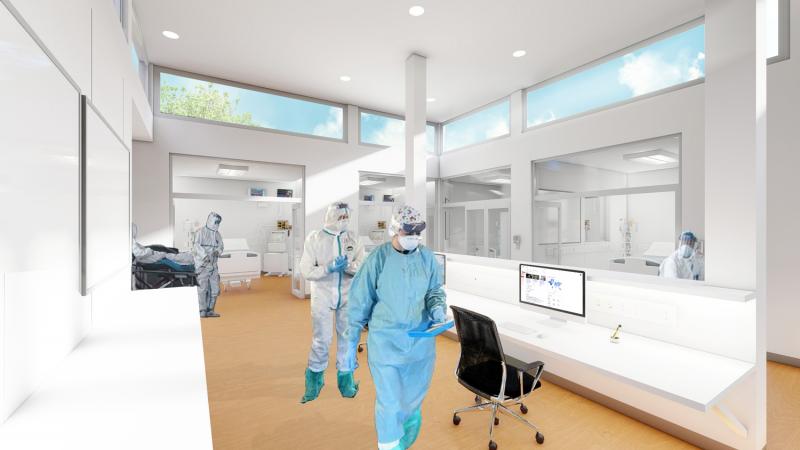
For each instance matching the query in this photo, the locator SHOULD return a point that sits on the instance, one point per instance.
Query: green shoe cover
(314, 383)
(411, 429)
(347, 386)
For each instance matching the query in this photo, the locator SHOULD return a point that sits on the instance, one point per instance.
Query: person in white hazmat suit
(331, 257)
(686, 262)
(207, 248)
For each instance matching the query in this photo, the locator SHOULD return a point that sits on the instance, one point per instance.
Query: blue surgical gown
(394, 293)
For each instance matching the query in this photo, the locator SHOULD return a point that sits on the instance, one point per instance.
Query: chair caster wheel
(477, 399)
(496, 421)
(539, 438)
(523, 409)
(360, 348)
(456, 419)
(492, 445)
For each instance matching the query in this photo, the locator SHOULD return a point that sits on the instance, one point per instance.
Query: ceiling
(303, 47)
(202, 167)
(388, 181)
(611, 158)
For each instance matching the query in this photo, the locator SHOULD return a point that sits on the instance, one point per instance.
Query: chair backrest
(480, 341)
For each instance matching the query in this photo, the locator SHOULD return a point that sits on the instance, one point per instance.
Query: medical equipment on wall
(626, 229)
(189, 231)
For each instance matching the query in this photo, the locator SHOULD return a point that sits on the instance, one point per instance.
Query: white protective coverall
(329, 290)
(207, 248)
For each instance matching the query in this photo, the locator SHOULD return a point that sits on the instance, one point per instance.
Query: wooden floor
(256, 357)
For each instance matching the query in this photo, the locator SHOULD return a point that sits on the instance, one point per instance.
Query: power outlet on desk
(658, 313)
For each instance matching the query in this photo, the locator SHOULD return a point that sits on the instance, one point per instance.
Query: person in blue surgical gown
(685, 262)
(207, 248)
(398, 289)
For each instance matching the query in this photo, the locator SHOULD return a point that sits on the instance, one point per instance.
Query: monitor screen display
(557, 289)
(441, 259)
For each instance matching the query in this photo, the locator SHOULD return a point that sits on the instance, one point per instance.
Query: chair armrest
(522, 366)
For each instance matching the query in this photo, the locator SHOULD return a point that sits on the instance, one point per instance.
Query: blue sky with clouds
(674, 60)
(275, 111)
(661, 64)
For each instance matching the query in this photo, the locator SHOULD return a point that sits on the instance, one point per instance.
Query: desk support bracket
(729, 419)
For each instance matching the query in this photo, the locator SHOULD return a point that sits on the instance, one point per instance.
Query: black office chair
(483, 369)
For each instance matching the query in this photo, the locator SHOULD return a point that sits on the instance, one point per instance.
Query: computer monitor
(560, 291)
(442, 260)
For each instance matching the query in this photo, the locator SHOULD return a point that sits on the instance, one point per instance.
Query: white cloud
(544, 118)
(393, 133)
(649, 71)
(332, 126)
(499, 128)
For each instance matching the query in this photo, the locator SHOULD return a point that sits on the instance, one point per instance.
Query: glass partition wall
(475, 214)
(616, 208)
(380, 195)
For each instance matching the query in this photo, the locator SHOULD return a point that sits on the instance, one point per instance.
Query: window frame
(373, 112)
(156, 84)
(506, 98)
(591, 64)
(784, 33)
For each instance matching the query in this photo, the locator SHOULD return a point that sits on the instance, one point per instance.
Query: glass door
(455, 230)
(499, 229)
(547, 232)
(476, 233)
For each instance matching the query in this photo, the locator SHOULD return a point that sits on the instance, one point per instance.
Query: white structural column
(416, 112)
(735, 171)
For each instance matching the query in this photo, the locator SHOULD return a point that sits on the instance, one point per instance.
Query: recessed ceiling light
(231, 171)
(170, 34)
(653, 157)
(431, 99)
(416, 11)
(371, 181)
(344, 78)
(500, 181)
(519, 53)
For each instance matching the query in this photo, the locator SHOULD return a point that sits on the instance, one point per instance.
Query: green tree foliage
(204, 102)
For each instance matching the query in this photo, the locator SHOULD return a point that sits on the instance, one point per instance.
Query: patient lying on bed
(145, 255)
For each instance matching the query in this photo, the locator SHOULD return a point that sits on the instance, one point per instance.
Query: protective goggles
(413, 228)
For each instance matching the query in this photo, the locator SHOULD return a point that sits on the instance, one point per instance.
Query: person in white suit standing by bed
(207, 248)
(331, 257)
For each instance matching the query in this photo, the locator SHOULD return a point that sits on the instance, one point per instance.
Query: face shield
(687, 244)
(337, 217)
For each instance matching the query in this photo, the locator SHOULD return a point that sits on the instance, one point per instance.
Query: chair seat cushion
(484, 379)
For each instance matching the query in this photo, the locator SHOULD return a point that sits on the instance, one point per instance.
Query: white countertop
(135, 382)
(694, 378)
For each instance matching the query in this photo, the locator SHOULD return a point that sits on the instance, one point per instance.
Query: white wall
(44, 317)
(680, 111)
(331, 168)
(783, 201)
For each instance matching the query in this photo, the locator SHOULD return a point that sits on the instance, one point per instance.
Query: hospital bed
(161, 274)
(237, 263)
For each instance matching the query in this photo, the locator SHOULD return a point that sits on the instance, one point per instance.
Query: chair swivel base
(496, 407)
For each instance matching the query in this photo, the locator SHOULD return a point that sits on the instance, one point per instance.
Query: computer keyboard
(518, 328)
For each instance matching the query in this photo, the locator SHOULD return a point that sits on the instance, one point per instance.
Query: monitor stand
(552, 322)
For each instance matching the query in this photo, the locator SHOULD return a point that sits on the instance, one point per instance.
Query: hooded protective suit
(396, 292)
(207, 248)
(323, 264)
(685, 262)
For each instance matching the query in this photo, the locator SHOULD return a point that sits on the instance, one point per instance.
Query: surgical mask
(338, 226)
(410, 242)
(685, 251)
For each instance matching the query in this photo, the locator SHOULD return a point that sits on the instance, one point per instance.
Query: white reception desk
(691, 377)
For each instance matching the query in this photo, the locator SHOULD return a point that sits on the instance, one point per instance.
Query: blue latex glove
(438, 315)
(338, 265)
